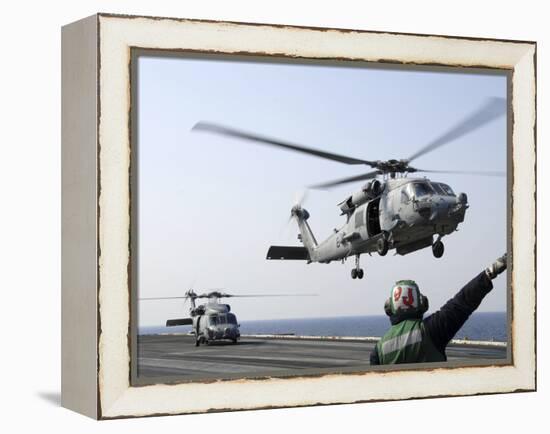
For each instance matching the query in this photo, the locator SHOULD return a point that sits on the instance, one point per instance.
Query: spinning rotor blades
(489, 111)
(231, 132)
(164, 298)
(341, 181)
(189, 294)
(492, 109)
(216, 294)
(300, 197)
(465, 172)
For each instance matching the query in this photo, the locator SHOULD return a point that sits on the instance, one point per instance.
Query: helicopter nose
(440, 209)
(461, 205)
(230, 332)
(435, 212)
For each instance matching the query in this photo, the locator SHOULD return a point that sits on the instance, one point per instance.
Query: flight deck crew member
(412, 339)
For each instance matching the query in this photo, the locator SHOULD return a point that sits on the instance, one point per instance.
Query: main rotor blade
(162, 298)
(336, 182)
(216, 294)
(225, 131)
(211, 294)
(466, 172)
(271, 295)
(492, 109)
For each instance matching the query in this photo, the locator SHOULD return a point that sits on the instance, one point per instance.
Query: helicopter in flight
(212, 321)
(391, 210)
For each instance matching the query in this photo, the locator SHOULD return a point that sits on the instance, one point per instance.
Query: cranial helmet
(406, 300)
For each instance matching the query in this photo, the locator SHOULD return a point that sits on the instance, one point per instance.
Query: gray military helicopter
(390, 211)
(212, 321)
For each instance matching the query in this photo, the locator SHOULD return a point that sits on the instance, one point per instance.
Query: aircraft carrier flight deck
(175, 355)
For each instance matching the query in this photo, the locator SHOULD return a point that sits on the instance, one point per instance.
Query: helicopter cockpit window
(213, 319)
(442, 189)
(422, 189)
(221, 319)
(231, 319)
(438, 189)
(448, 190)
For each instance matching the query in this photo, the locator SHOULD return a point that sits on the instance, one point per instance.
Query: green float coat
(408, 342)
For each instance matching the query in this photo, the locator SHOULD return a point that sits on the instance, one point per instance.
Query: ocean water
(489, 326)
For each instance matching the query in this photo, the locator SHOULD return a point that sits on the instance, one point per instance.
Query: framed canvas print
(261, 216)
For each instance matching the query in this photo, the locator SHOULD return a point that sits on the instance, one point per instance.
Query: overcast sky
(210, 206)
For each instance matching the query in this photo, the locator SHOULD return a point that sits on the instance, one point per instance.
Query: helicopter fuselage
(402, 214)
(398, 214)
(213, 321)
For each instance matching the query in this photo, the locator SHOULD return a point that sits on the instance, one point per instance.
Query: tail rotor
(300, 197)
(297, 210)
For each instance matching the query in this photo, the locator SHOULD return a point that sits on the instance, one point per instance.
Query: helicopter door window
(213, 320)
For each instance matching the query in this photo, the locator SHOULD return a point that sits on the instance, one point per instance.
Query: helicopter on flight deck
(390, 211)
(212, 321)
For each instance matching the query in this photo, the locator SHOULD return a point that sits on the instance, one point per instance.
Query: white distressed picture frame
(97, 194)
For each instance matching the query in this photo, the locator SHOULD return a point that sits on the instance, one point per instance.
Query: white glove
(497, 267)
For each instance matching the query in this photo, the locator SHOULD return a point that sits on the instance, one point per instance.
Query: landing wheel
(197, 342)
(234, 341)
(382, 246)
(438, 249)
(357, 272)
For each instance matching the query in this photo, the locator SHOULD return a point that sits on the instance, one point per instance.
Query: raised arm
(447, 321)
